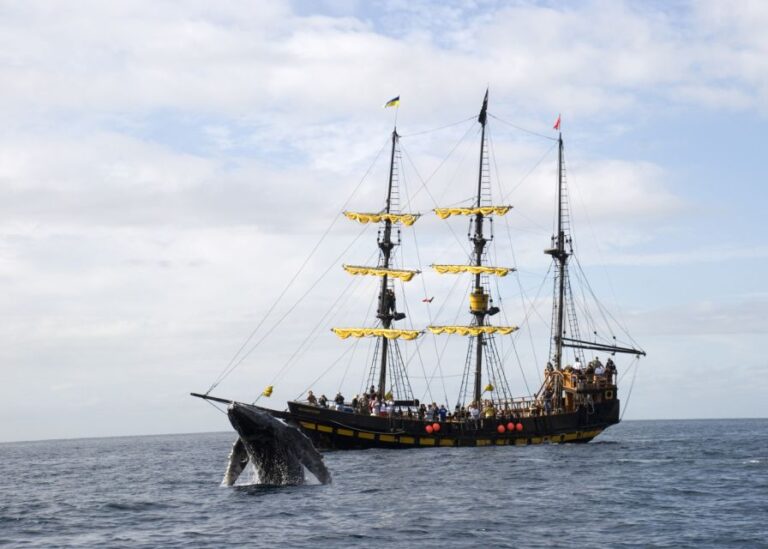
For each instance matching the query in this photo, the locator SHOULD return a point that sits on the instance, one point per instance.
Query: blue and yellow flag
(394, 102)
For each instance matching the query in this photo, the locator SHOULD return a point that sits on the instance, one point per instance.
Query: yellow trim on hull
(449, 441)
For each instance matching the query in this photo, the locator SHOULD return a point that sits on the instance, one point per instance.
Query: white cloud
(164, 167)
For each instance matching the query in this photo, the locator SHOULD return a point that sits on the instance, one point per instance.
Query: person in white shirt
(600, 369)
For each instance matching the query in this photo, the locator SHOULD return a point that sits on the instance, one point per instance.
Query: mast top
(482, 118)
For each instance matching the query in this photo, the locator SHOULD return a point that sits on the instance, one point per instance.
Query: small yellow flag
(488, 388)
(388, 396)
(268, 391)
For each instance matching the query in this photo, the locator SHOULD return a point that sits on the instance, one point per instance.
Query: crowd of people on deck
(370, 403)
(595, 371)
(373, 404)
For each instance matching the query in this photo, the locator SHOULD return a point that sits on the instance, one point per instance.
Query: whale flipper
(238, 460)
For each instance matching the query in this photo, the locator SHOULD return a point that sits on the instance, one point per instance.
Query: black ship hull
(336, 430)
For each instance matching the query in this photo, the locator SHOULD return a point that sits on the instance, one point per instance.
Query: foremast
(387, 359)
(482, 350)
(387, 310)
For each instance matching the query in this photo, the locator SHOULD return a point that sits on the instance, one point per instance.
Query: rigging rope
(303, 347)
(603, 310)
(605, 272)
(636, 365)
(473, 117)
(527, 175)
(429, 308)
(424, 186)
(514, 262)
(231, 365)
(289, 310)
(523, 129)
(372, 343)
(439, 166)
(328, 369)
(455, 320)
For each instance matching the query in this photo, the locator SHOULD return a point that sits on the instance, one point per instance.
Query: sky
(166, 167)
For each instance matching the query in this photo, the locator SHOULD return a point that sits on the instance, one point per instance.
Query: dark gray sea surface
(641, 483)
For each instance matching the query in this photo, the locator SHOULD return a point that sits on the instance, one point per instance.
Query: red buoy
(519, 426)
(436, 427)
(428, 429)
(501, 429)
(510, 426)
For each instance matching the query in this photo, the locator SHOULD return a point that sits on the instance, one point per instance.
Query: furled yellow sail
(472, 330)
(444, 213)
(401, 274)
(344, 333)
(474, 269)
(406, 219)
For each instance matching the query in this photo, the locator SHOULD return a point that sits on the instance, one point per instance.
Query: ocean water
(641, 483)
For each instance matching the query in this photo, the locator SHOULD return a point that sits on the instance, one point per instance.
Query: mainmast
(483, 349)
(479, 304)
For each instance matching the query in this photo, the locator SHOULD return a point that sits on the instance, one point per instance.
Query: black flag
(482, 116)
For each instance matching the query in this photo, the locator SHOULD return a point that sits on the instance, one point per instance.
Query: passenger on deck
(355, 403)
(577, 364)
(365, 405)
(311, 398)
(443, 412)
(599, 369)
(323, 402)
(375, 407)
(422, 411)
(489, 412)
(339, 400)
(372, 393)
(581, 381)
(549, 367)
(474, 414)
(430, 414)
(548, 401)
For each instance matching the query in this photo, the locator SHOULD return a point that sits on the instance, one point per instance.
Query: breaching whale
(278, 451)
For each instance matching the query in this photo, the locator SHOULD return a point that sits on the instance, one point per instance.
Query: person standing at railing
(548, 401)
(610, 371)
(600, 373)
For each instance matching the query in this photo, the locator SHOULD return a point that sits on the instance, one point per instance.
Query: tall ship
(576, 400)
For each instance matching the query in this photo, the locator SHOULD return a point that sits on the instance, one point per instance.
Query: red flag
(427, 300)
(557, 123)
